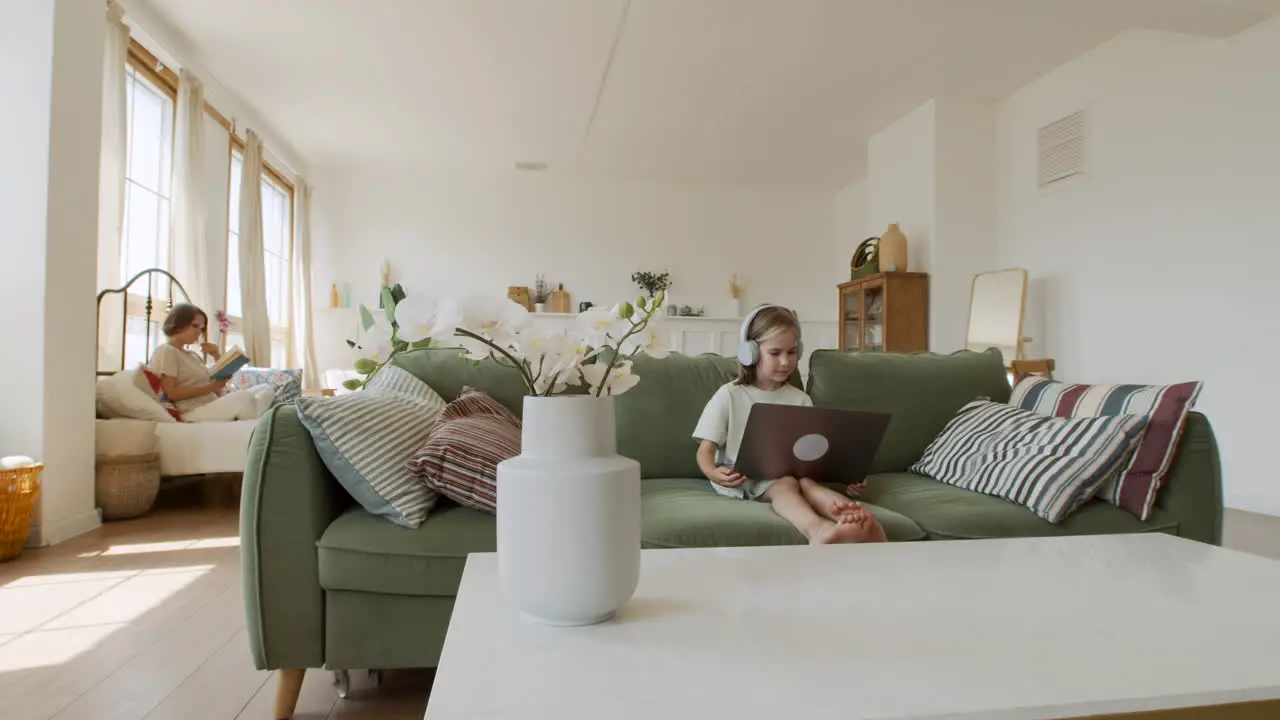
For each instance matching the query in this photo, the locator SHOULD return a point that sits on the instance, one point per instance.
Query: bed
(131, 421)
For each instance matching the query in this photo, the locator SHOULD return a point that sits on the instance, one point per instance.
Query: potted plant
(541, 294)
(568, 481)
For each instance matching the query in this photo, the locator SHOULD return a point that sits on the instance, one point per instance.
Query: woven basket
(125, 486)
(19, 490)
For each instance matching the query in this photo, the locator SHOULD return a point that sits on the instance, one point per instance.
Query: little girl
(769, 353)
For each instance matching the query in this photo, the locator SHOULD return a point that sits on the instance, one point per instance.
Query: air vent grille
(1061, 149)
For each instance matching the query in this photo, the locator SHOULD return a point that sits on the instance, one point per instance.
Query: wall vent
(1061, 149)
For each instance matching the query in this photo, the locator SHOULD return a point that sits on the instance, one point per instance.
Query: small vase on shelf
(893, 250)
(539, 307)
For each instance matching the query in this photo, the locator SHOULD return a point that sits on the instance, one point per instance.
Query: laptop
(824, 444)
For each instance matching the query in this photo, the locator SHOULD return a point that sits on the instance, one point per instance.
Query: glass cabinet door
(851, 320)
(872, 317)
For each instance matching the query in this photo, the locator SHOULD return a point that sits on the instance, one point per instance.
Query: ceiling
(738, 91)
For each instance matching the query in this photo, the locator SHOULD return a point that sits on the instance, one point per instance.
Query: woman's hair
(181, 317)
(767, 323)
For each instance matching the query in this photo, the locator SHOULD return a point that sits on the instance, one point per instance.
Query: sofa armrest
(288, 500)
(1193, 489)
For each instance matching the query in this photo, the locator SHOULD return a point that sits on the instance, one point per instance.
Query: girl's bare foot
(841, 532)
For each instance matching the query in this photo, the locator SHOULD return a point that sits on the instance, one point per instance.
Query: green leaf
(422, 344)
(351, 384)
(366, 318)
(389, 305)
(364, 366)
(397, 293)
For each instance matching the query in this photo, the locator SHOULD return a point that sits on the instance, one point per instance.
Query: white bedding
(185, 448)
(200, 448)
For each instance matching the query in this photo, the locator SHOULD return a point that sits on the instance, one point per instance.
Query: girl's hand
(855, 489)
(211, 350)
(725, 477)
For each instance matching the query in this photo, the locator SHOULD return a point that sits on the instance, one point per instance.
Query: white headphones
(749, 350)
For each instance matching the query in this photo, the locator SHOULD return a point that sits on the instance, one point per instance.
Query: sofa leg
(288, 688)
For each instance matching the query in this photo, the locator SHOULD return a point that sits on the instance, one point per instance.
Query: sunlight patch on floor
(129, 600)
(51, 647)
(219, 542)
(51, 622)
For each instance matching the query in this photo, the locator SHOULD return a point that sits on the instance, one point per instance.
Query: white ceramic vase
(569, 514)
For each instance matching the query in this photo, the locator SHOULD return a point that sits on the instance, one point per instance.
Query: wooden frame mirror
(996, 303)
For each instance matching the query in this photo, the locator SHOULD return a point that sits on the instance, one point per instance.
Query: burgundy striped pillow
(460, 457)
(1166, 406)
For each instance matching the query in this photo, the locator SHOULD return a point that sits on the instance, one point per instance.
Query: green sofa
(328, 585)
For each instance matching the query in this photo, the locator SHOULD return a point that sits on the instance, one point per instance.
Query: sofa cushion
(448, 372)
(460, 458)
(360, 551)
(921, 391)
(685, 512)
(656, 418)
(947, 512)
(366, 439)
(1166, 406)
(1049, 465)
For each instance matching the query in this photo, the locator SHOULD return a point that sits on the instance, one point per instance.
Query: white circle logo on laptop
(810, 447)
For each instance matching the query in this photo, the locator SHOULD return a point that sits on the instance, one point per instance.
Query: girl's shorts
(748, 490)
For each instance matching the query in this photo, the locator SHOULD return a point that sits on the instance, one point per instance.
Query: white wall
(1161, 265)
(933, 173)
(851, 227)
(449, 235)
(901, 178)
(51, 70)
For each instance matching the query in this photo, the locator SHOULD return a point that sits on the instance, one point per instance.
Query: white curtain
(111, 187)
(188, 251)
(255, 322)
(301, 324)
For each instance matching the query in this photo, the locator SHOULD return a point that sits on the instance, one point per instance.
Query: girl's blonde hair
(767, 323)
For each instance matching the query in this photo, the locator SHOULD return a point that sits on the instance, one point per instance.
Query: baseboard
(65, 529)
(1263, 505)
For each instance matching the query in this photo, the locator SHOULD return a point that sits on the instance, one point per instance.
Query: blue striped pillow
(366, 439)
(1048, 464)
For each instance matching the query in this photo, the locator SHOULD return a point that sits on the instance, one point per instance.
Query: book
(230, 362)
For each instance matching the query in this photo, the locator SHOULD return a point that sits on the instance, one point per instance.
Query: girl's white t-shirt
(725, 416)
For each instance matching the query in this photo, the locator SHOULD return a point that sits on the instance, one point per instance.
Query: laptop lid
(824, 444)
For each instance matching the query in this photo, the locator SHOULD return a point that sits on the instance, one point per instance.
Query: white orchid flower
(499, 319)
(602, 326)
(619, 380)
(376, 343)
(420, 317)
(651, 341)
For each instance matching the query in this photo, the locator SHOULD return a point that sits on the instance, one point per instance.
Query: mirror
(995, 312)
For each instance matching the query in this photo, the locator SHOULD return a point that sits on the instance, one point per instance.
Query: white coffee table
(991, 629)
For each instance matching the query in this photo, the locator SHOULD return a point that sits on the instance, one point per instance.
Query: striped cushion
(460, 459)
(1050, 465)
(366, 438)
(1165, 406)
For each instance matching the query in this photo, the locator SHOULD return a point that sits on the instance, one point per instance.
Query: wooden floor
(143, 619)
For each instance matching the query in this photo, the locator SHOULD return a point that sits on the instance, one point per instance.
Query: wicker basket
(19, 490)
(125, 486)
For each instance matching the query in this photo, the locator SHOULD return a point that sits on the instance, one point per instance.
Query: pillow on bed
(121, 396)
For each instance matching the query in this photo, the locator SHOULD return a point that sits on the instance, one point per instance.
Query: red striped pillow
(1166, 406)
(460, 457)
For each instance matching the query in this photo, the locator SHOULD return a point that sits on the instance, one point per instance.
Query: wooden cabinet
(886, 312)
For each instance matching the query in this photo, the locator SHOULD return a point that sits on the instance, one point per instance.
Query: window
(149, 108)
(277, 242)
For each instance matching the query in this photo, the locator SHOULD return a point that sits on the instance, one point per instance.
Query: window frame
(145, 64)
(279, 333)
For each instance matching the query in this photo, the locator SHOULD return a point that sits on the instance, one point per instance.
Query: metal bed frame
(151, 277)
